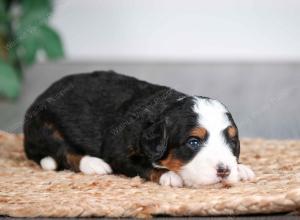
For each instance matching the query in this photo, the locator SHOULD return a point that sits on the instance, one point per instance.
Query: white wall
(185, 30)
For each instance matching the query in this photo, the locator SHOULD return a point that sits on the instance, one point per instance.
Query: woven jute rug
(28, 191)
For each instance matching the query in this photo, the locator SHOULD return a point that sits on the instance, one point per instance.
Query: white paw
(48, 163)
(94, 165)
(171, 179)
(245, 172)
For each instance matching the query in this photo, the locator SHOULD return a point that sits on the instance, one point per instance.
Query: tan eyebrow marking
(231, 131)
(199, 132)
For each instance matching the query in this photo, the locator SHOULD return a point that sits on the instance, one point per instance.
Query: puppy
(104, 122)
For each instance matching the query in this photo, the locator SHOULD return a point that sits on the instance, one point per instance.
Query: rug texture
(28, 191)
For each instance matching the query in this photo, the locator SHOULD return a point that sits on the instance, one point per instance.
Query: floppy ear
(154, 141)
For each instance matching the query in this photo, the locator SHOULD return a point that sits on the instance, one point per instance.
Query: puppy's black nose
(222, 171)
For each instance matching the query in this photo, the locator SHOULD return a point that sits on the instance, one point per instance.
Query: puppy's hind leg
(77, 163)
(47, 146)
(44, 144)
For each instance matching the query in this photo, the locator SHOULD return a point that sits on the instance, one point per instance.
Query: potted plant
(24, 33)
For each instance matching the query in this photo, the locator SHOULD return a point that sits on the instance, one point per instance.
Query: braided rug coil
(28, 191)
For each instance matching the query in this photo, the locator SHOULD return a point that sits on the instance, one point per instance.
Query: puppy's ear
(154, 141)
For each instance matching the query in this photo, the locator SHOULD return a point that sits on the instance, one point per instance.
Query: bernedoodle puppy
(104, 122)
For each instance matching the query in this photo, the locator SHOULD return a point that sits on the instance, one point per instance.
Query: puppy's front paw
(171, 179)
(245, 172)
(94, 165)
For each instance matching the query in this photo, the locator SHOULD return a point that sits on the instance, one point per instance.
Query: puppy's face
(203, 144)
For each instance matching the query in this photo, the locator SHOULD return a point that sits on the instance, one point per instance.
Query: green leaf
(3, 16)
(34, 14)
(9, 81)
(3, 29)
(28, 48)
(31, 21)
(11, 52)
(2, 6)
(32, 33)
(43, 38)
(36, 5)
(51, 42)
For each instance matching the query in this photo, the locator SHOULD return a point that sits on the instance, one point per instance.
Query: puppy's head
(197, 138)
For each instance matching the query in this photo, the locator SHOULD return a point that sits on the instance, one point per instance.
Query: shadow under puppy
(104, 122)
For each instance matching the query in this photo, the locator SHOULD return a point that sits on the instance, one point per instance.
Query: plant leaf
(50, 42)
(2, 7)
(43, 38)
(29, 6)
(31, 21)
(3, 17)
(9, 81)
(27, 49)
(34, 14)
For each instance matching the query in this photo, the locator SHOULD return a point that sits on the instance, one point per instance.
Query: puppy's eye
(194, 143)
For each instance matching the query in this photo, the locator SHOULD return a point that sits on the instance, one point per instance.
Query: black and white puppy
(104, 122)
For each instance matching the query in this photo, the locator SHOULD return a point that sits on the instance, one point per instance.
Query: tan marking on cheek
(199, 132)
(73, 161)
(232, 132)
(155, 174)
(172, 163)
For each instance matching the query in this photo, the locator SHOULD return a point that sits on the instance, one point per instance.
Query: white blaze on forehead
(211, 114)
